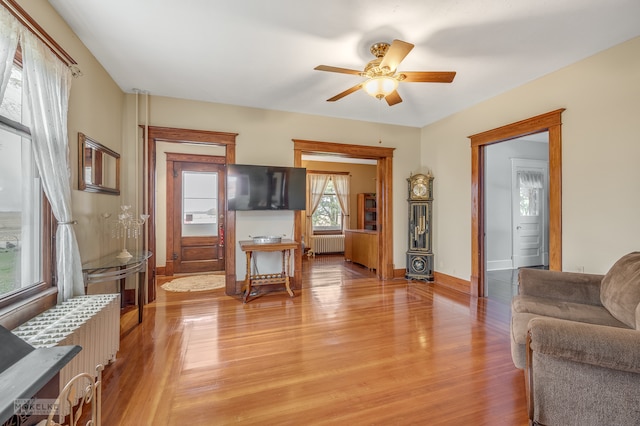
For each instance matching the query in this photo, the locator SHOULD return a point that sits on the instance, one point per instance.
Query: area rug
(195, 283)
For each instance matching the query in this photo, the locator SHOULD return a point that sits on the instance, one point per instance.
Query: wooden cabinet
(361, 246)
(367, 211)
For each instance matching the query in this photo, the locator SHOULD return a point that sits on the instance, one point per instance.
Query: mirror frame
(85, 142)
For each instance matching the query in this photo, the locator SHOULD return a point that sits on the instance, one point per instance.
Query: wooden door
(196, 243)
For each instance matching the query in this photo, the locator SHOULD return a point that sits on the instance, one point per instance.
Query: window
(25, 243)
(530, 183)
(529, 201)
(328, 215)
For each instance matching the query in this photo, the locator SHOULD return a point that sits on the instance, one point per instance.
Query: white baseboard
(498, 265)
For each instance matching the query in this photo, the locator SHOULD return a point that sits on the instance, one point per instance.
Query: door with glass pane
(529, 212)
(198, 217)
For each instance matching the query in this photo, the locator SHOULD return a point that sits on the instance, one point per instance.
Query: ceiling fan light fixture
(381, 86)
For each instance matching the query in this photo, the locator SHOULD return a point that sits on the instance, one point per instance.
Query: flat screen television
(252, 187)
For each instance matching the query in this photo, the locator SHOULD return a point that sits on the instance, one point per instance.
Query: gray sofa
(578, 337)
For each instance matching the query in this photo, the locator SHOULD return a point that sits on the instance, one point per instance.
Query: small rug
(195, 283)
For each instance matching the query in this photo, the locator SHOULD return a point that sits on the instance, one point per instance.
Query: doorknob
(518, 227)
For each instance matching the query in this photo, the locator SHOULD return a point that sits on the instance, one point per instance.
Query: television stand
(251, 280)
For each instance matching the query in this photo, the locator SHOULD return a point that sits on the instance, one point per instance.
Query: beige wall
(100, 109)
(363, 179)
(601, 148)
(265, 137)
(600, 151)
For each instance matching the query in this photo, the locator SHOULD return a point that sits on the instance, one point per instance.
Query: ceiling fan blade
(345, 93)
(393, 98)
(336, 69)
(397, 52)
(428, 76)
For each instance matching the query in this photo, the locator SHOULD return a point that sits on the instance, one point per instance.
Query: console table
(111, 268)
(285, 246)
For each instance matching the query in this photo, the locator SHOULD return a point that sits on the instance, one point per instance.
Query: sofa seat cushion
(525, 308)
(554, 308)
(620, 290)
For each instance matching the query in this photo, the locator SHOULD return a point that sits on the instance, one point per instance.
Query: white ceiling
(261, 54)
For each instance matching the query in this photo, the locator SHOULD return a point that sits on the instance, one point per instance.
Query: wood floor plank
(347, 349)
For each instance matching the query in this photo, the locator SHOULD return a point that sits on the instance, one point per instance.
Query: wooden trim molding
(14, 315)
(384, 188)
(399, 273)
(204, 137)
(528, 380)
(195, 158)
(327, 172)
(551, 122)
(344, 150)
(454, 283)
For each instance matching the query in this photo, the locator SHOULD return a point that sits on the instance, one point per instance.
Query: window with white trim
(328, 215)
(25, 245)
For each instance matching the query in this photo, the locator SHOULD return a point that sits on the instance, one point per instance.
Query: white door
(529, 217)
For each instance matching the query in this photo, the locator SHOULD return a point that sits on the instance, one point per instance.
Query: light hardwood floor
(346, 350)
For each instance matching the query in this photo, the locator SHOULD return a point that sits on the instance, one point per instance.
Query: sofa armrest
(607, 347)
(567, 286)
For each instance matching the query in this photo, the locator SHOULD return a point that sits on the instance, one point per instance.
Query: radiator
(328, 244)
(92, 322)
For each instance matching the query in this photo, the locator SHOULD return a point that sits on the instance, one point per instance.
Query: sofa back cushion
(620, 291)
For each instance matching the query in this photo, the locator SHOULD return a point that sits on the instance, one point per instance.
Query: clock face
(418, 264)
(420, 189)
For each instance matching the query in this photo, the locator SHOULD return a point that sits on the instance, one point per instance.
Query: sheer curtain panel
(316, 183)
(47, 83)
(341, 184)
(9, 35)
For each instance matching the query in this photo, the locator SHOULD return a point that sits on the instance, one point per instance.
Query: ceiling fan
(381, 73)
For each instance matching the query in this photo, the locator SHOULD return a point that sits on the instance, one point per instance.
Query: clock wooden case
(419, 253)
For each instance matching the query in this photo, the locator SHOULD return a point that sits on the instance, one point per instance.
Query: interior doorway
(516, 211)
(384, 189)
(550, 122)
(155, 138)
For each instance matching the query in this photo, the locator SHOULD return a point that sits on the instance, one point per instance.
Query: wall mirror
(99, 169)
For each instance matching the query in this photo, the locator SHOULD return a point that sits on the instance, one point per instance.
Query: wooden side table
(285, 246)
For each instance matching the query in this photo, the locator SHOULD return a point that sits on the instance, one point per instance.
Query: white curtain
(9, 35)
(530, 179)
(341, 185)
(316, 184)
(47, 84)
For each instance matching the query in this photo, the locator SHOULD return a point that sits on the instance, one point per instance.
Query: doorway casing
(551, 122)
(384, 191)
(203, 137)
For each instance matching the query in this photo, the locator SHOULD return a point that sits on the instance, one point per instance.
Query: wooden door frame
(203, 137)
(384, 190)
(172, 158)
(551, 122)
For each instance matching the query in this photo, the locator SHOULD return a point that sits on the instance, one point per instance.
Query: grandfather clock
(419, 255)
